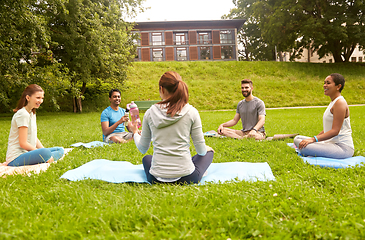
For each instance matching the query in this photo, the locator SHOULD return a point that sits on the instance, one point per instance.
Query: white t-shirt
(22, 118)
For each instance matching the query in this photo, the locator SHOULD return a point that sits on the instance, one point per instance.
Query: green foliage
(22, 31)
(305, 202)
(68, 44)
(335, 27)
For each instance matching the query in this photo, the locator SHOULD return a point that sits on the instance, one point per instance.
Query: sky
(174, 10)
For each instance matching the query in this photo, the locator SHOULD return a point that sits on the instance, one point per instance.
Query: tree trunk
(77, 100)
(337, 56)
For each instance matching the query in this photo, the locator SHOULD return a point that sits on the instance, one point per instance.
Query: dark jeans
(201, 165)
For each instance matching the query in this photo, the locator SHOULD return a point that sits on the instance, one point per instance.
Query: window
(204, 53)
(181, 54)
(226, 37)
(180, 39)
(203, 38)
(157, 39)
(227, 52)
(353, 59)
(360, 59)
(157, 55)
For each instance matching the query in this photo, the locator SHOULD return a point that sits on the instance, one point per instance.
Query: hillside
(216, 85)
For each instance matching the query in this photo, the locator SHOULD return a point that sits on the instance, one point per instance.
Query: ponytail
(30, 90)
(178, 89)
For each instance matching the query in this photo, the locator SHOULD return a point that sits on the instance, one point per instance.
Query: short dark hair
(114, 90)
(338, 79)
(247, 81)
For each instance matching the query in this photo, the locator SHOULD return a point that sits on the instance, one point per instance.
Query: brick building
(188, 40)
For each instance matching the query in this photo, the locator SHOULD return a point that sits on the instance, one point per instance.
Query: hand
(209, 149)
(305, 142)
(123, 119)
(220, 129)
(133, 127)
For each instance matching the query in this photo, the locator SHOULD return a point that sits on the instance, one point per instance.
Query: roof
(199, 24)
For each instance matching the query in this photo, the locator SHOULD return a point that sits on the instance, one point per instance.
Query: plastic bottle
(134, 112)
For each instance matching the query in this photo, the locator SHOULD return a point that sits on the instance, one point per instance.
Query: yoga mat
(90, 144)
(28, 169)
(330, 162)
(122, 171)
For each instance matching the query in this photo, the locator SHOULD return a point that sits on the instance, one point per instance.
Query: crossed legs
(238, 134)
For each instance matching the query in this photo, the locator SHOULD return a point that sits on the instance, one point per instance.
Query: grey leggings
(322, 149)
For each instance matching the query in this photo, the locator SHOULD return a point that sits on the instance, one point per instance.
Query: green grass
(305, 202)
(216, 85)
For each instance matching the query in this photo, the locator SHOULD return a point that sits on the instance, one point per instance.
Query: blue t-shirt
(112, 116)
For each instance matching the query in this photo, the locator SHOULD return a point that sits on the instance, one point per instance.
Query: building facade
(311, 56)
(188, 40)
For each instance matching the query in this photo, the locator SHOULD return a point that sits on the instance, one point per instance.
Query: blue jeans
(37, 156)
(201, 165)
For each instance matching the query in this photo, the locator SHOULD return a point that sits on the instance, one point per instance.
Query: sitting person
(113, 120)
(335, 141)
(251, 111)
(24, 148)
(169, 124)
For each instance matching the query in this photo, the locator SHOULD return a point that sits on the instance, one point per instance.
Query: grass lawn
(305, 202)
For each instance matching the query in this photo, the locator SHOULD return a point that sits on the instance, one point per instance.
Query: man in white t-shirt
(251, 111)
(113, 120)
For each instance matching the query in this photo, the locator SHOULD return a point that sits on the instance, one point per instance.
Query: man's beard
(246, 94)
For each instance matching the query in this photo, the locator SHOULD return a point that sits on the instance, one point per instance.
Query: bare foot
(51, 160)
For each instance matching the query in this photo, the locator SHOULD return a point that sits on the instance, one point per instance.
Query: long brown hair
(30, 90)
(178, 89)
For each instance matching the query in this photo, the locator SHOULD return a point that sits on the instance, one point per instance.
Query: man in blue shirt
(113, 120)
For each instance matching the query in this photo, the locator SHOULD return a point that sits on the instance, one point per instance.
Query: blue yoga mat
(331, 162)
(90, 144)
(122, 171)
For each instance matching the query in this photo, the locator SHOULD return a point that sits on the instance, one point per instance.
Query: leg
(37, 156)
(328, 150)
(201, 165)
(147, 161)
(117, 139)
(321, 149)
(57, 152)
(257, 135)
(232, 133)
(298, 139)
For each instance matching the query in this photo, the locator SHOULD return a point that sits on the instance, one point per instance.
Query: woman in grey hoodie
(169, 124)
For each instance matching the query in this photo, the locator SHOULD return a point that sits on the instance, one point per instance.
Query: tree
(254, 48)
(21, 33)
(326, 26)
(90, 38)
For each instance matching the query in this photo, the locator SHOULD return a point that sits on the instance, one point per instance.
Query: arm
(230, 123)
(260, 123)
(196, 133)
(108, 130)
(39, 144)
(23, 135)
(143, 140)
(339, 114)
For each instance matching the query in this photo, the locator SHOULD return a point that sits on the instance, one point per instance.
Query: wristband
(315, 137)
(254, 129)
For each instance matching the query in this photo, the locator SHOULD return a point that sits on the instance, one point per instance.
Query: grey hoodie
(171, 140)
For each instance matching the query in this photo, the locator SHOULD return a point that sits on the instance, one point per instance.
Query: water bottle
(134, 112)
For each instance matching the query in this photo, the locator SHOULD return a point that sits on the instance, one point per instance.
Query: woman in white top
(335, 141)
(169, 124)
(24, 148)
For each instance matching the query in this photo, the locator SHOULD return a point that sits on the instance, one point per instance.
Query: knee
(297, 140)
